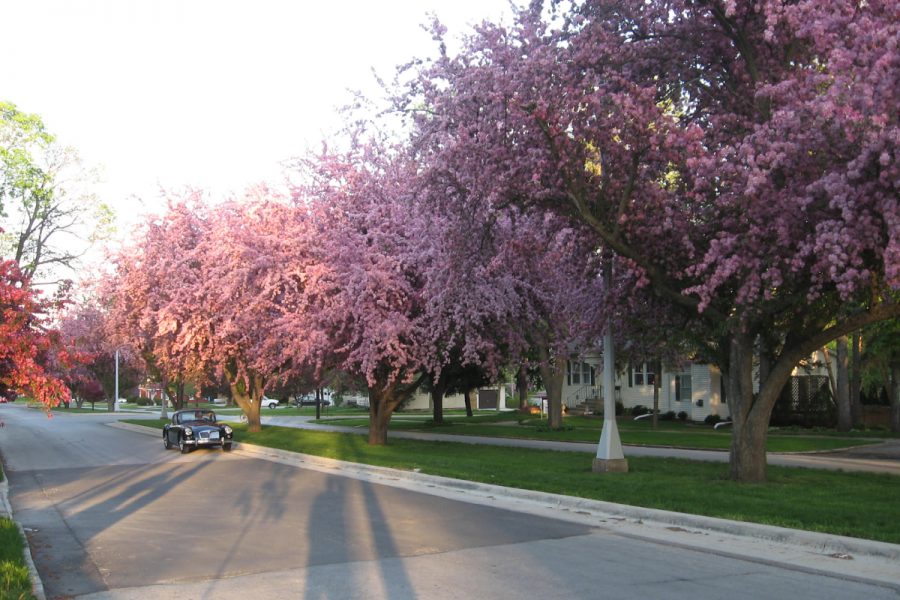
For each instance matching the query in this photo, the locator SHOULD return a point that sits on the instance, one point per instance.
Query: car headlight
(188, 431)
(227, 429)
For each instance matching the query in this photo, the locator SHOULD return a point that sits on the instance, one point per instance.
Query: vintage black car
(191, 429)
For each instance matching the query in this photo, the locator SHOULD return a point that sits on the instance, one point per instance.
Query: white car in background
(269, 402)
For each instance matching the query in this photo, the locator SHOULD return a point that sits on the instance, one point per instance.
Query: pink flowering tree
(362, 309)
(561, 295)
(85, 331)
(741, 158)
(150, 293)
(252, 267)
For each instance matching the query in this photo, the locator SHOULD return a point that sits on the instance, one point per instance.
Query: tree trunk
(318, 403)
(522, 388)
(179, 393)
(437, 404)
(249, 406)
(750, 423)
(895, 397)
(382, 402)
(468, 397)
(845, 418)
(379, 419)
(553, 374)
(163, 393)
(831, 381)
(855, 381)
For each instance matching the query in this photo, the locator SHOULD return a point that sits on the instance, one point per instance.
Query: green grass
(855, 504)
(674, 434)
(306, 411)
(15, 582)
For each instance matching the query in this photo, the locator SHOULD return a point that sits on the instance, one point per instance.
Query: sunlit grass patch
(14, 579)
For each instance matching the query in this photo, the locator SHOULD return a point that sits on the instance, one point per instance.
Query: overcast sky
(211, 93)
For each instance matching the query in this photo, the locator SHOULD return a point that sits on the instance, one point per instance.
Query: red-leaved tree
(31, 358)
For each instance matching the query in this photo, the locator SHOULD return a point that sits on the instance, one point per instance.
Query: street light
(610, 458)
(116, 396)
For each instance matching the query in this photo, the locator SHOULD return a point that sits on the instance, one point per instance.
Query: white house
(488, 398)
(696, 389)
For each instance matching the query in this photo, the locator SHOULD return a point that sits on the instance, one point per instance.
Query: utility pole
(610, 458)
(116, 398)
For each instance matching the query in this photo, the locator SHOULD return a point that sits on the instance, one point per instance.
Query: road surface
(111, 514)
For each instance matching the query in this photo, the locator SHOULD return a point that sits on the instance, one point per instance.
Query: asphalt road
(111, 514)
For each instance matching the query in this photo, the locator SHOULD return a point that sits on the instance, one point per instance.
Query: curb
(37, 586)
(572, 507)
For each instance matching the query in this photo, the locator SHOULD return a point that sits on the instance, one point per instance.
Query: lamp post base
(610, 465)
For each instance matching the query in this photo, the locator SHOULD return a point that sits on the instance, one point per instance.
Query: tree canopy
(734, 165)
(738, 158)
(46, 207)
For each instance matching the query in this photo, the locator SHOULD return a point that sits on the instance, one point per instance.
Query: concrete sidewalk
(878, 458)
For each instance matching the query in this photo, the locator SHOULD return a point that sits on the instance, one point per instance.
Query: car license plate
(213, 435)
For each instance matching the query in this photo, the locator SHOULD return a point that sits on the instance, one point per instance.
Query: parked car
(192, 429)
(269, 402)
(310, 400)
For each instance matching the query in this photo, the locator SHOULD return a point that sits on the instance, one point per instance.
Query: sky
(208, 93)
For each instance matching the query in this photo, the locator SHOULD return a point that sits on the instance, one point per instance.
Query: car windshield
(199, 415)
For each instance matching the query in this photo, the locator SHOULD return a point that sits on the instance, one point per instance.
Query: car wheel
(183, 447)
(226, 447)
(166, 443)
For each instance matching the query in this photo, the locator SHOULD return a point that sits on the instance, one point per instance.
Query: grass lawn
(675, 434)
(14, 580)
(855, 504)
(305, 411)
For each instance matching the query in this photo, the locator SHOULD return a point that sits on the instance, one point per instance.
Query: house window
(580, 373)
(684, 391)
(641, 375)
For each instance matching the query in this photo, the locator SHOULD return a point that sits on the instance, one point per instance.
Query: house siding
(422, 400)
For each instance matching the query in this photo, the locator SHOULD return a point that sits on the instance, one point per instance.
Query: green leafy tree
(49, 216)
(880, 364)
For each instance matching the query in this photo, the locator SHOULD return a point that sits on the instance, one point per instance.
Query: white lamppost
(116, 398)
(610, 458)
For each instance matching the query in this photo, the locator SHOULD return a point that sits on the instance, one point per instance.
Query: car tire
(166, 443)
(183, 447)
(226, 447)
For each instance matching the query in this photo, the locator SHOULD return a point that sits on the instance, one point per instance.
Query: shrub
(620, 408)
(667, 416)
(712, 419)
(144, 402)
(682, 416)
(639, 410)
